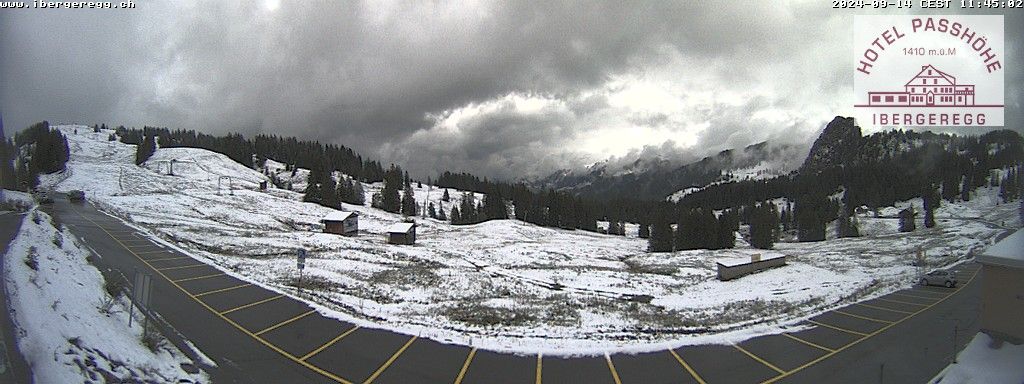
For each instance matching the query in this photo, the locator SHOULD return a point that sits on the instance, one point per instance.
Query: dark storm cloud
(371, 75)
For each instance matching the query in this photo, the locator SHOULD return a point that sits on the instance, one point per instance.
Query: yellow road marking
(862, 317)
(883, 308)
(391, 360)
(151, 252)
(241, 307)
(538, 381)
(687, 367)
(914, 296)
(169, 258)
(880, 330)
(181, 267)
(902, 302)
(611, 367)
(760, 360)
(328, 344)
(465, 366)
(222, 290)
(268, 344)
(837, 328)
(283, 323)
(192, 279)
(827, 349)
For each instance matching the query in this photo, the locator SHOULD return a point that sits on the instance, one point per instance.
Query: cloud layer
(503, 89)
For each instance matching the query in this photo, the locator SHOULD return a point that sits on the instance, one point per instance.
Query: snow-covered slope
(503, 285)
(69, 328)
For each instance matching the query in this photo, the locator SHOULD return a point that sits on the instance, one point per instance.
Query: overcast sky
(504, 89)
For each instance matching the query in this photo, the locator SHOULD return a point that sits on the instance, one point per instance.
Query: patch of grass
(633, 266)
(115, 286)
(152, 339)
(314, 283)
(32, 259)
(476, 313)
(415, 275)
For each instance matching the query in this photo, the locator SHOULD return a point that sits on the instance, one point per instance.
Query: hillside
(655, 179)
(503, 284)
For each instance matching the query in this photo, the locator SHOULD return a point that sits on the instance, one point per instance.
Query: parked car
(76, 196)
(942, 277)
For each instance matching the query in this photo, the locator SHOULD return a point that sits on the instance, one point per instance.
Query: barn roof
(401, 227)
(338, 216)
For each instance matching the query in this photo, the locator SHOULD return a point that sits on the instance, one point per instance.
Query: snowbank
(69, 326)
(985, 360)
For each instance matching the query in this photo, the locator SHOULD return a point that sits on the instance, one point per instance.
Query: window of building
(888, 99)
(903, 99)
(876, 98)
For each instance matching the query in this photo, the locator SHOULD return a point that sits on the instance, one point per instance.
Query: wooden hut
(402, 233)
(341, 223)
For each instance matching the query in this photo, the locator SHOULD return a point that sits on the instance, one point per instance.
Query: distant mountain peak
(838, 144)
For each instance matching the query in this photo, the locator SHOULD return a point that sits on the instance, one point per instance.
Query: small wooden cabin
(402, 233)
(341, 223)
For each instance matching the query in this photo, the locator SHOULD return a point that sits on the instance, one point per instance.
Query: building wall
(1002, 302)
(729, 273)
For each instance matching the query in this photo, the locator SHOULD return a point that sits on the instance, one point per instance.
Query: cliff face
(838, 144)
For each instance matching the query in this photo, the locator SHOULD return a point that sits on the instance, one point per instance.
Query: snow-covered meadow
(504, 285)
(69, 328)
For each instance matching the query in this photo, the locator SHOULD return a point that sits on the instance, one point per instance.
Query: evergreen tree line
(252, 152)
(34, 151)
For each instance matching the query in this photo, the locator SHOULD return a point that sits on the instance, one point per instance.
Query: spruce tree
(456, 218)
(965, 190)
(931, 201)
(907, 220)
(446, 198)
(431, 211)
(313, 194)
(145, 150)
(661, 234)
(358, 195)
(408, 201)
(440, 213)
(645, 231)
(390, 199)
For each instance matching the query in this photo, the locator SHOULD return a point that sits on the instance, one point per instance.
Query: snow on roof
(1008, 252)
(337, 216)
(736, 261)
(401, 227)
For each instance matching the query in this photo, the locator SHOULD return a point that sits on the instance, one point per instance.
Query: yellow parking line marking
(880, 330)
(169, 258)
(181, 267)
(193, 278)
(882, 308)
(286, 322)
(222, 290)
(465, 366)
(687, 367)
(862, 317)
(328, 344)
(611, 367)
(151, 252)
(228, 320)
(238, 308)
(837, 328)
(913, 296)
(760, 360)
(827, 349)
(538, 381)
(391, 360)
(902, 302)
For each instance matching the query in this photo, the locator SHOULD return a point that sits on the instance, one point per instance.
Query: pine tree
(408, 201)
(931, 201)
(313, 194)
(645, 231)
(907, 220)
(810, 212)
(440, 213)
(358, 195)
(661, 234)
(390, 200)
(456, 218)
(965, 190)
(431, 211)
(8, 178)
(761, 228)
(446, 198)
(328, 190)
(494, 207)
(145, 150)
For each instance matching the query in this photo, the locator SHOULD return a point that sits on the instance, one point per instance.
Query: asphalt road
(260, 336)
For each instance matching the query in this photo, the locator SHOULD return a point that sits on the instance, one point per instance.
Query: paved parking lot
(336, 351)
